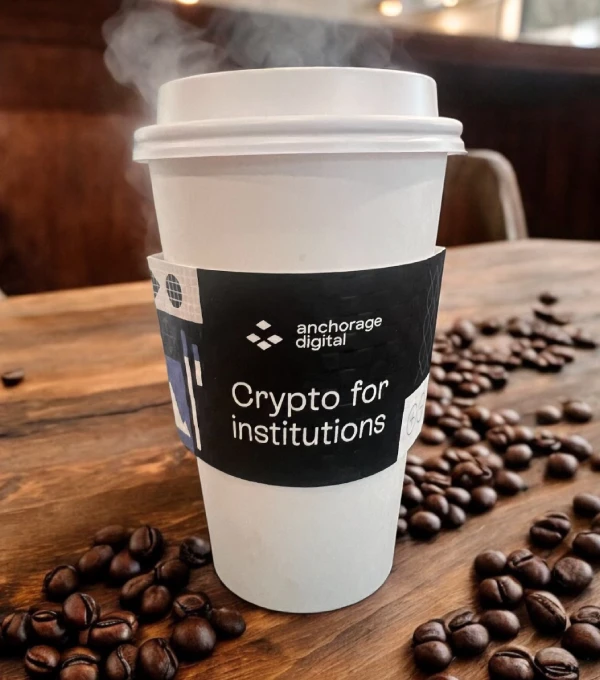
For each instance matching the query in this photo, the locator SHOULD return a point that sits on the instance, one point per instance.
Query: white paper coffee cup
(326, 175)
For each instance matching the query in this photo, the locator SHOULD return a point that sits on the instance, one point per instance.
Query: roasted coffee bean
(508, 483)
(430, 631)
(173, 573)
(571, 575)
(511, 417)
(532, 571)
(146, 544)
(402, 512)
(562, 465)
(551, 530)
(466, 436)
(433, 412)
(545, 442)
(458, 496)
(227, 623)
(455, 518)
(522, 434)
(402, 528)
(483, 499)
(192, 604)
(595, 462)
(453, 378)
(586, 504)
(433, 656)
(490, 563)
(114, 535)
(437, 374)
(442, 676)
(583, 641)
(468, 389)
(438, 504)
(193, 638)
(424, 525)
(432, 435)
(577, 411)
(549, 363)
(500, 437)
(124, 567)
(554, 663)
(500, 592)
(576, 445)
(109, 633)
(437, 464)
(548, 298)
(492, 460)
(156, 660)
(539, 344)
(411, 459)
(15, 630)
(13, 377)
(494, 420)
(511, 664)
(490, 326)
(479, 451)
(546, 612)
(471, 474)
(518, 328)
(440, 480)
(483, 382)
(548, 415)
(565, 353)
(411, 496)
(588, 614)
(81, 654)
(501, 624)
(583, 339)
(466, 331)
(416, 473)
(436, 392)
(463, 402)
(429, 489)
(121, 663)
(455, 456)
(552, 316)
(156, 602)
(530, 358)
(80, 610)
(518, 456)
(465, 365)
(123, 615)
(587, 544)
(467, 637)
(79, 669)
(42, 661)
(133, 591)
(61, 582)
(478, 416)
(48, 627)
(95, 562)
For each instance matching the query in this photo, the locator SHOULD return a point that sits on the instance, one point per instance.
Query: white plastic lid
(298, 110)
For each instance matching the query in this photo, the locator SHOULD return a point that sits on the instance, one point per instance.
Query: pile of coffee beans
(505, 582)
(78, 641)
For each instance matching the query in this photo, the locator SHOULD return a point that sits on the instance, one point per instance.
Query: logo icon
(263, 344)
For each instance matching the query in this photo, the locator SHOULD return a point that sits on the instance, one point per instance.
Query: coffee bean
(146, 544)
(411, 496)
(411, 459)
(483, 499)
(501, 624)
(479, 451)
(588, 614)
(133, 591)
(465, 365)
(416, 472)
(471, 474)
(81, 654)
(192, 604)
(402, 528)
(500, 437)
(562, 465)
(583, 339)
(467, 637)
(548, 298)
(80, 610)
(156, 602)
(114, 535)
(494, 420)
(518, 328)
(424, 525)
(508, 483)
(437, 504)
(548, 415)
(432, 435)
(511, 417)
(193, 638)
(463, 402)
(511, 664)
(433, 656)
(196, 551)
(173, 573)
(466, 331)
(583, 641)
(437, 374)
(61, 582)
(124, 567)
(571, 575)
(437, 464)
(402, 512)
(455, 518)
(458, 496)
(577, 411)
(518, 456)
(48, 627)
(539, 344)
(522, 434)
(442, 676)
(595, 462)
(551, 530)
(478, 416)
(549, 363)
(492, 460)
(13, 377)
(453, 378)
(156, 660)
(466, 436)
(109, 633)
(429, 489)
(546, 612)
(95, 562)
(532, 571)
(586, 504)
(15, 630)
(41, 661)
(587, 544)
(440, 480)
(490, 563)
(455, 456)
(123, 615)
(577, 445)
(227, 623)
(430, 631)
(490, 326)
(121, 663)
(545, 442)
(554, 663)
(500, 592)
(565, 353)
(433, 412)
(436, 392)
(79, 669)
(552, 316)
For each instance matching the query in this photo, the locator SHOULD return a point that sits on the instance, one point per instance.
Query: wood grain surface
(88, 439)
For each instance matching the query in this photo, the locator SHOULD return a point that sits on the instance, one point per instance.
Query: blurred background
(522, 75)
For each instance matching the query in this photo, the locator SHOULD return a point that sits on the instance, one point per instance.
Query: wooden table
(88, 439)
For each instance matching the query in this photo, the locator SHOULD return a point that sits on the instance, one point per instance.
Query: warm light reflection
(451, 24)
(188, 2)
(390, 8)
(449, 3)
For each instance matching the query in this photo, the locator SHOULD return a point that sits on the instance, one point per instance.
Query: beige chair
(482, 201)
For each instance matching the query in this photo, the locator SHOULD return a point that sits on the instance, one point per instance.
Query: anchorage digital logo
(315, 336)
(264, 344)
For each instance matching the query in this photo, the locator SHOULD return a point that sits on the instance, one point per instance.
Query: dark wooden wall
(75, 211)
